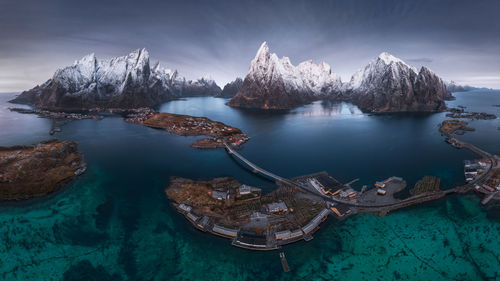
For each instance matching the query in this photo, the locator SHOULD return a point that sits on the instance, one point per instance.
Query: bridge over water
(396, 204)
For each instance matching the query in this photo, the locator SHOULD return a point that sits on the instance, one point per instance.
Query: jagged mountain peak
(125, 82)
(263, 50)
(383, 65)
(139, 54)
(90, 58)
(281, 84)
(388, 58)
(424, 69)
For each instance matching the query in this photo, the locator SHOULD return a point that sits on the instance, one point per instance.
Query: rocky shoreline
(57, 114)
(30, 171)
(458, 127)
(461, 113)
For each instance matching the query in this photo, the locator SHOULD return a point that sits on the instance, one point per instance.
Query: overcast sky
(459, 40)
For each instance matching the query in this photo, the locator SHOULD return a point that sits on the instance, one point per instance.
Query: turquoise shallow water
(114, 222)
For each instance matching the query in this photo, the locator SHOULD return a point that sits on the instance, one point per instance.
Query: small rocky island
(458, 127)
(186, 125)
(461, 113)
(35, 170)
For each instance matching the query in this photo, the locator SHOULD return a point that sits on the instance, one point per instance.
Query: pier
(284, 262)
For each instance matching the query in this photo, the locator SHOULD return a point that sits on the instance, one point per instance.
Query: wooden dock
(284, 262)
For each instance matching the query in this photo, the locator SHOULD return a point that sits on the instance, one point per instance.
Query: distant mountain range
(386, 84)
(123, 82)
(452, 86)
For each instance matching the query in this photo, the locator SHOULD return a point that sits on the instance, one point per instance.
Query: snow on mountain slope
(272, 82)
(384, 63)
(123, 82)
(306, 77)
(388, 84)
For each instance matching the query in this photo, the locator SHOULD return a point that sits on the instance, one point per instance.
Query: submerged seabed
(100, 239)
(114, 223)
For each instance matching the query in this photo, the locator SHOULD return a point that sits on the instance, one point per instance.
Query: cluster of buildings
(329, 186)
(137, 115)
(491, 185)
(472, 168)
(191, 123)
(56, 115)
(243, 192)
(380, 188)
(277, 207)
(242, 237)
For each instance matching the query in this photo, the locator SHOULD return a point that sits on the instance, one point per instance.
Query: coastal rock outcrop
(274, 83)
(123, 82)
(231, 88)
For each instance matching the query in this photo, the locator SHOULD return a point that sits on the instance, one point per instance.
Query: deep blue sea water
(115, 222)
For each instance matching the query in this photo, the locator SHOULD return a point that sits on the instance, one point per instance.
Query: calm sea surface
(115, 223)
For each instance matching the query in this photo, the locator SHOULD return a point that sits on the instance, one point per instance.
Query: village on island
(295, 210)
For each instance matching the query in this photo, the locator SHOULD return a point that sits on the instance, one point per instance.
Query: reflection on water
(330, 108)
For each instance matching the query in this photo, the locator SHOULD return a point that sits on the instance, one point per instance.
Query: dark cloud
(456, 38)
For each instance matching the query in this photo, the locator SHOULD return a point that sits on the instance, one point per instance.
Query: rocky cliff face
(274, 83)
(122, 82)
(387, 84)
(231, 88)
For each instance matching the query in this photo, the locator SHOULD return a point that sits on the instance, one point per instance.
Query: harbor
(297, 208)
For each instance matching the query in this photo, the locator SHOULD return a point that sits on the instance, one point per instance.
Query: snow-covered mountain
(274, 83)
(122, 82)
(388, 84)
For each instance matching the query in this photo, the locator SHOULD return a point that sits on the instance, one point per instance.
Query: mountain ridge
(120, 82)
(385, 84)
